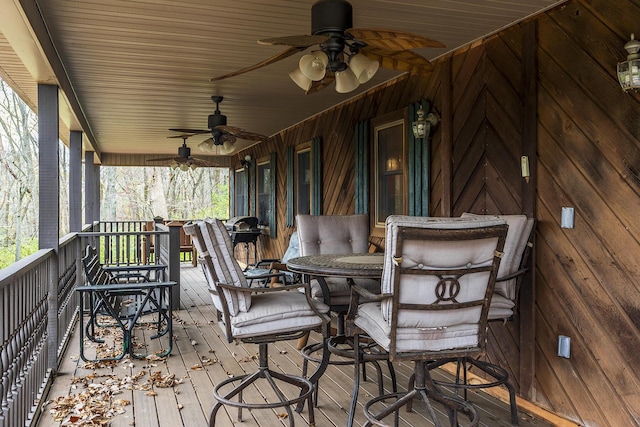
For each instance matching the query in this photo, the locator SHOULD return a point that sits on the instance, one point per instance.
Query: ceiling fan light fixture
(314, 65)
(206, 145)
(300, 79)
(346, 81)
(227, 148)
(363, 67)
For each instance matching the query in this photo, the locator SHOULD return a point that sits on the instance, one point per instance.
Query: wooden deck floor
(202, 358)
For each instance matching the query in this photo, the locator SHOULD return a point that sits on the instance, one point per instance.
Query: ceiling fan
(183, 161)
(221, 134)
(349, 56)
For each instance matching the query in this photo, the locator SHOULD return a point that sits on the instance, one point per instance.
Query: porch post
(75, 181)
(49, 206)
(529, 148)
(91, 189)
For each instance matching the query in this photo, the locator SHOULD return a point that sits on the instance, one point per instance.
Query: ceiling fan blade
(391, 39)
(227, 137)
(186, 133)
(282, 55)
(321, 84)
(300, 41)
(200, 162)
(163, 159)
(403, 60)
(242, 134)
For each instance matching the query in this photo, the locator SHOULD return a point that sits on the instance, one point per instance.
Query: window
(265, 193)
(303, 179)
(241, 192)
(390, 170)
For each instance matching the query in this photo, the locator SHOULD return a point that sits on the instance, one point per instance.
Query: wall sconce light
(423, 124)
(246, 161)
(629, 70)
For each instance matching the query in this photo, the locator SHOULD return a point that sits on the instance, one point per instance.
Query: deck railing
(38, 310)
(24, 291)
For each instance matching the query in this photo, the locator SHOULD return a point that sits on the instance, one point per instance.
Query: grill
(244, 229)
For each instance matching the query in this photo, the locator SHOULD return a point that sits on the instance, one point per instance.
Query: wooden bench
(143, 285)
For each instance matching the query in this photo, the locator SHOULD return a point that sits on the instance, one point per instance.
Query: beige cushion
(276, 313)
(517, 237)
(436, 255)
(333, 234)
(340, 290)
(227, 269)
(460, 335)
(209, 274)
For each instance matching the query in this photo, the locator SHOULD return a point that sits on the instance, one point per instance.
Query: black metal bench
(144, 289)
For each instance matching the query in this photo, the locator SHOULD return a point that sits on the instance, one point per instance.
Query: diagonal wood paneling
(588, 156)
(589, 286)
(487, 126)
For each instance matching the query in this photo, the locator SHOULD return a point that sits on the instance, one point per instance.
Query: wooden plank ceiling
(140, 67)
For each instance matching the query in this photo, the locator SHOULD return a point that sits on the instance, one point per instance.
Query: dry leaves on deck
(96, 405)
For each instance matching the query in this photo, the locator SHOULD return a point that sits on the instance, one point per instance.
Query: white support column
(75, 181)
(49, 210)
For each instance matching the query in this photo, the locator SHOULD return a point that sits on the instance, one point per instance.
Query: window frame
(379, 124)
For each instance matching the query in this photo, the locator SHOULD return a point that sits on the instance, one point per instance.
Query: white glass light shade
(363, 67)
(346, 81)
(300, 79)
(227, 148)
(184, 166)
(173, 164)
(206, 145)
(314, 65)
(193, 166)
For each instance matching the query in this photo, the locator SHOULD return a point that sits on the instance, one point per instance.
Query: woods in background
(126, 193)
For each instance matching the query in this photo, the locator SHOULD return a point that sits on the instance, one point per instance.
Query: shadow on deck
(178, 391)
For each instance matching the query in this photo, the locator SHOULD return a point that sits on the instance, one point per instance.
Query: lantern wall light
(424, 123)
(629, 70)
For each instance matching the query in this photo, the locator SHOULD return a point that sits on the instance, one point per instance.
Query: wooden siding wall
(588, 278)
(588, 157)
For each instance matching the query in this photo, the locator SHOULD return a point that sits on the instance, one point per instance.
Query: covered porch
(537, 89)
(177, 391)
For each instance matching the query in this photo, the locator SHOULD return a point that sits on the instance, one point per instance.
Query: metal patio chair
(438, 279)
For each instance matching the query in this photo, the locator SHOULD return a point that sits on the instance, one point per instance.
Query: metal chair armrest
(512, 275)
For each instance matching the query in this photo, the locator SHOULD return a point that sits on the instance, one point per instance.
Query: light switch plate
(567, 217)
(564, 346)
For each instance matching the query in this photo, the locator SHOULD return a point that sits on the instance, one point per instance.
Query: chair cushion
(293, 251)
(422, 288)
(278, 312)
(333, 234)
(501, 307)
(340, 290)
(408, 339)
(228, 271)
(519, 230)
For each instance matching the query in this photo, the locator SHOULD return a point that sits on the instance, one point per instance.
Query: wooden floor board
(202, 358)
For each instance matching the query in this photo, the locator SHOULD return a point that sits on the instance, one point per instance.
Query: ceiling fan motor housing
(184, 151)
(331, 16)
(214, 120)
